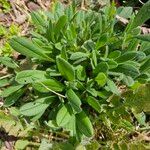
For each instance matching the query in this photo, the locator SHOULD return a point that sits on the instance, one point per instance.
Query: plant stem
(144, 128)
(6, 76)
(34, 144)
(60, 95)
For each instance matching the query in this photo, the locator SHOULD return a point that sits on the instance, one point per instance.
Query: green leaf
(134, 44)
(60, 24)
(101, 67)
(144, 67)
(143, 78)
(114, 54)
(49, 83)
(21, 144)
(80, 147)
(63, 116)
(4, 82)
(94, 57)
(112, 87)
(94, 145)
(139, 100)
(30, 76)
(81, 74)
(27, 48)
(45, 145)
(3, 30)
(141, 118)
(128, 80)
(142, 15)
(39, 105)
(79, 61)
(8, 62)
(145, 47)
(37, 116)
(145, 37)
(58, 9)
(50, 31)
(92, 91)
(62, 146)
(11, 99)
(127, 125)
(125, 12)
(89, 45)
(128, 70)
(52, 124)
(94, 103)
(65, 68)
(8, 91)
(112, 64)
(38, 19)
(126, 56)
(102, 41)
(74, 100)
(71, 126)
(101, 79)
(78, 55)
(84, 124)
(69, 12)
(140, 56)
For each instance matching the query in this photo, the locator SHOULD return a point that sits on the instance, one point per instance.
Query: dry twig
(124, 21)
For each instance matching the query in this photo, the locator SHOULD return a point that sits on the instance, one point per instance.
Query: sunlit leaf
(74, 100)
(27, 48)
(30, 76)
(101, 79)
(34, 108)
(112, 87)
(63, 116)
(142, 15)
(65, 68)
(94, 103)
(8, 91)
(84, 124)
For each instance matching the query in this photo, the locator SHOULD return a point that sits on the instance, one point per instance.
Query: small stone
(21, 19)
(33, 7)
(2, 17)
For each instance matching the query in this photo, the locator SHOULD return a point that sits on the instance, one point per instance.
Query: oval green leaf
(145, 37)
(126, 56)
(30, 76)
(63, 116)
(11, 99)
(142, 16)
(114, 54)
(8, 62)
(8, 91)
(65, 68)
(84, 124)
(101, 67)
(94, 103)
(128, 70)
(144, 67)
(34, 108)
(49, 83)
(27, 48)
(74, 100)
(112, 64)
(112, 87)
(128, 80)
(101, 79)
(78, 55)
(60, 24)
